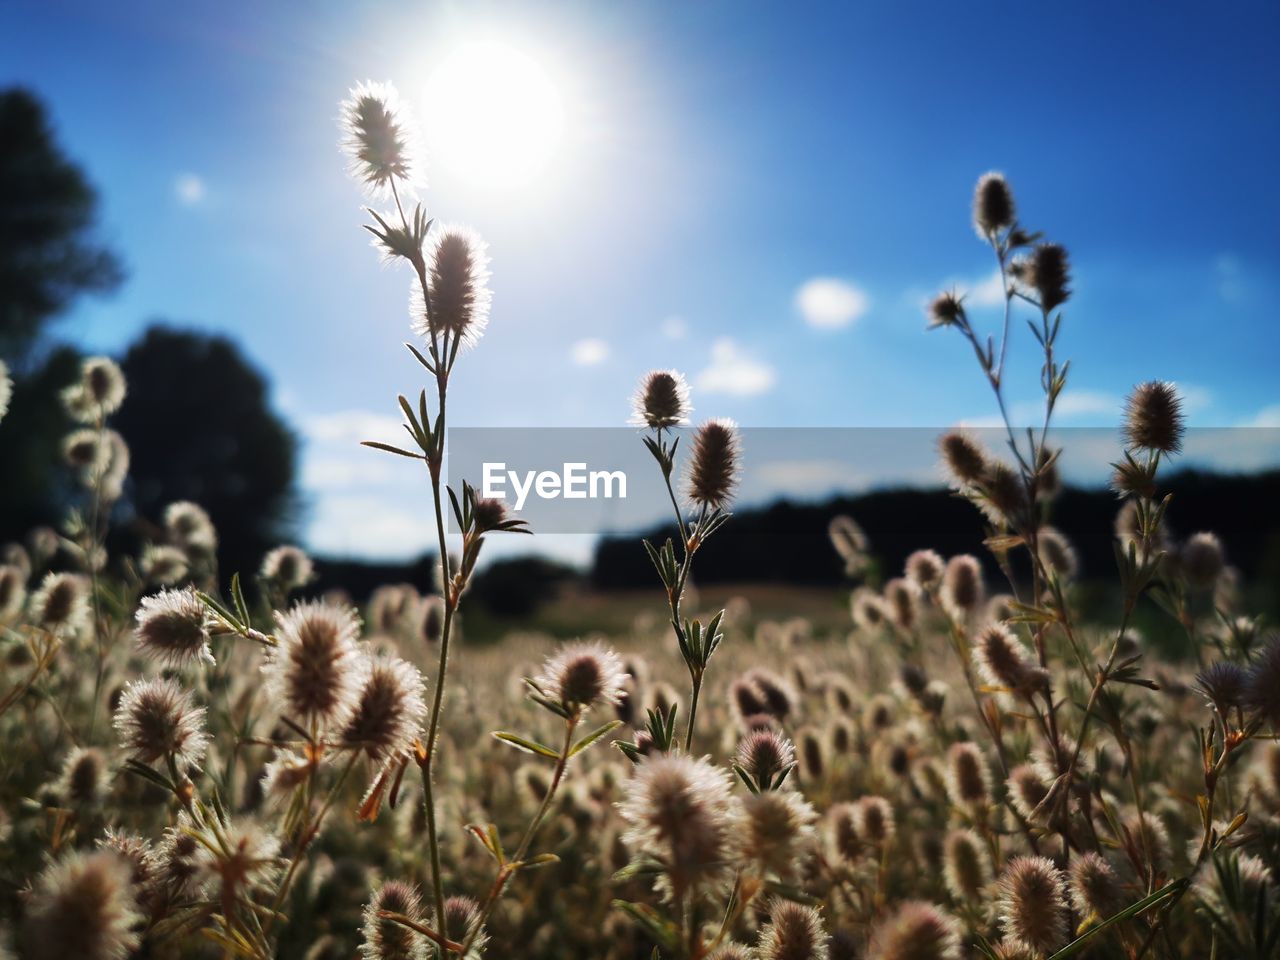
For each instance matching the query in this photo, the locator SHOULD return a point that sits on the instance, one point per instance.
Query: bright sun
(493, 115)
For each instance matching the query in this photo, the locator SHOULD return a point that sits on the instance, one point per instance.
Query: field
(929, 763)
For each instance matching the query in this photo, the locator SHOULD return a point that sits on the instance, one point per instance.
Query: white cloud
(734, 372)
(1266, 417)
(1083, 403)
(1194, 398)
(829, 303)
(367, 526)
(984, 293)
(590, 352)
(353, 426)
(189, 189)
(675, 328)
(362, 468)
(1227, 271)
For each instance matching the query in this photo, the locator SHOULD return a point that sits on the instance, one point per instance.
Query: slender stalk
(506, 872)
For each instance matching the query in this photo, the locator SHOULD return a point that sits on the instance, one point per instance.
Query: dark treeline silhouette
(196, 419)
(787, 542)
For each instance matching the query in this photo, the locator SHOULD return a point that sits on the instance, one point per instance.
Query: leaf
(593, 736)
(529, 746)
(238, 596)
(390, 449)
(1164, 893)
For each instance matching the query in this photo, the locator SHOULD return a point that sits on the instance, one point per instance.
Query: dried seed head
(778, 832)
(842, 832)
(389, 709)
(1263, 692)
(458, 276)
(764, 755)
(924, 568)
(490, 513)
(431, 619)
(1201, 560)
(157, 719)
(962, 586)
(813, 756)
(661, 401)
(901, 596)
(1225, 685)
(98, 393)
(189, 527)
(1046, 271)
(966, 866)
(313, 673)
(963, 457)
(1153, 418)
(287, 567)
(285, 773)
(1003, 661)
(916, 931)
(793, 932)
(849, 541)
(775, 697)
(945, 310)
(247, 858)
(730, 951)
(386, 939)
(682, 811)
(137, 854)
(462, 916)
(176, 860)
(82, 907)
(83, 780)
(868, 609)
(163, 565)
(968, 782)
(6, 389)
(993, 208)
(13, 591)
(1032, 908)
(172, 628)
(379, 138)
(1095, 888)
(583, 675)
(61, 605)
(86, 450)
(1027, 789)
(1004, 496)
(873, 819)
(1057, 554)
(715, 464)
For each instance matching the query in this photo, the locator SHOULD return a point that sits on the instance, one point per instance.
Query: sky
(760, 195)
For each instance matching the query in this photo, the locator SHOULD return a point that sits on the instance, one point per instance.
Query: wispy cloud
(829, 303)
(734, 372)
(352, 426)
(189, 189)
(675, 328)
(590, 352)
(1266, 417)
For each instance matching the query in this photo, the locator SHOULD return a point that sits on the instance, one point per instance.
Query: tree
(48, 210)
(199, 427)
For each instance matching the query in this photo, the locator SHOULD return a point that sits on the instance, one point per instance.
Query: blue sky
(716, 159)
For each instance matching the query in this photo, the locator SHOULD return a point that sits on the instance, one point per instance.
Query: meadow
(207, 762)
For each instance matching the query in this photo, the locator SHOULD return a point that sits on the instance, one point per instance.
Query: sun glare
(493, 115)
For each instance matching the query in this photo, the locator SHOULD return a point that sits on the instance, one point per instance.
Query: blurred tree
(47, 213)
(199, 427)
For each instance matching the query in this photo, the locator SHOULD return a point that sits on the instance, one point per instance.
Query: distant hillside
(787, 542)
